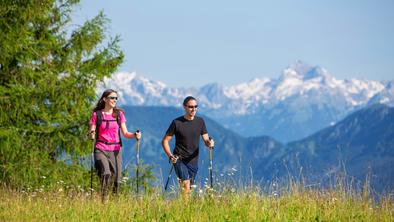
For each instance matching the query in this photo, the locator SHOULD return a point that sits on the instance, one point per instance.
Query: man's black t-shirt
(187, 137)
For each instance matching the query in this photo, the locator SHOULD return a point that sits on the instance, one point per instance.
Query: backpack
(99, 120)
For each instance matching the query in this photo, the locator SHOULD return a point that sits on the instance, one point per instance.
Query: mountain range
(301, 101)
(304, 123)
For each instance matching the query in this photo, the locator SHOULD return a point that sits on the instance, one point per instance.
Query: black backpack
(99, 120)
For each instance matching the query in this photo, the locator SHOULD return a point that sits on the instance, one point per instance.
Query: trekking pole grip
(210, 138)
(135, 134)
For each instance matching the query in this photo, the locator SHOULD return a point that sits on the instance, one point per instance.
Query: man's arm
(166, 145)
(208, 142)
(166, 148)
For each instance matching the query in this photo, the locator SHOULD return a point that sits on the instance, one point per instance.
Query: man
(187, 130)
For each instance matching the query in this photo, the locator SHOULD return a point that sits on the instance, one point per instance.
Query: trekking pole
(170, 173)
(210, 164)
(91, 168)
(138, 160)
(169, 176)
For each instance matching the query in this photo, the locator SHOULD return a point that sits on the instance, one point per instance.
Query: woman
(105, 125)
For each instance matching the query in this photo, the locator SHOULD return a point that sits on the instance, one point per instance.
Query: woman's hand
(137, 135)
(92, 134)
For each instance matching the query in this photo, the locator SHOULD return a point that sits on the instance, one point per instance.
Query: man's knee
(185, 185)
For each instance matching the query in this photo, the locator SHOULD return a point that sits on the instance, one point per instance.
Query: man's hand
(173, 159)
(211, 143)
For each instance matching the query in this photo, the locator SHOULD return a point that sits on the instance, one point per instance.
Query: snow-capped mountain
(385, 96)
(301, 101)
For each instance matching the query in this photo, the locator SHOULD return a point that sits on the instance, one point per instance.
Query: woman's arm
(128, 134)
(92, 132)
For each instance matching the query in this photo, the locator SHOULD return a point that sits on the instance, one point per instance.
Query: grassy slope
(304, 205)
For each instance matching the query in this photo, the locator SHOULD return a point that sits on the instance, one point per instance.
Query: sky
(193, 43)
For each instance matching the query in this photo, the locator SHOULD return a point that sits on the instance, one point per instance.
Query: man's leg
(182, 173)
(185, 184)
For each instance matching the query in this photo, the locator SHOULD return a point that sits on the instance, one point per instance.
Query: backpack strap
(99, 120)
(117, 115)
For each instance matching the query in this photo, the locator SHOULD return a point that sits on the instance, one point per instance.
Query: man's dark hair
(187, 99)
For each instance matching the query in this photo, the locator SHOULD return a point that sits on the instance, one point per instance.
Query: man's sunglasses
(191, 107)
(112, 97)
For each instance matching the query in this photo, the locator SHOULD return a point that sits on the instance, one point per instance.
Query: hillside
(361, 144)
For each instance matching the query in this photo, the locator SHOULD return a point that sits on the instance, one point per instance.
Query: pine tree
(48, 77)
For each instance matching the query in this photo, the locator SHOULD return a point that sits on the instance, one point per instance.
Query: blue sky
(193, 43)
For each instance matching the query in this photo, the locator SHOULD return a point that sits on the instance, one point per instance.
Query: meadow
(295, 203)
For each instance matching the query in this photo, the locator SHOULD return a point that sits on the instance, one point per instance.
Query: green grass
(294, 205)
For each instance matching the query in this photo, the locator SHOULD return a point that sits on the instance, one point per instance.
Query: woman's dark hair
(187, 99)
(101, 103)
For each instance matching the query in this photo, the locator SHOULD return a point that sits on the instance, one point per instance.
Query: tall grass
(294, 203)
